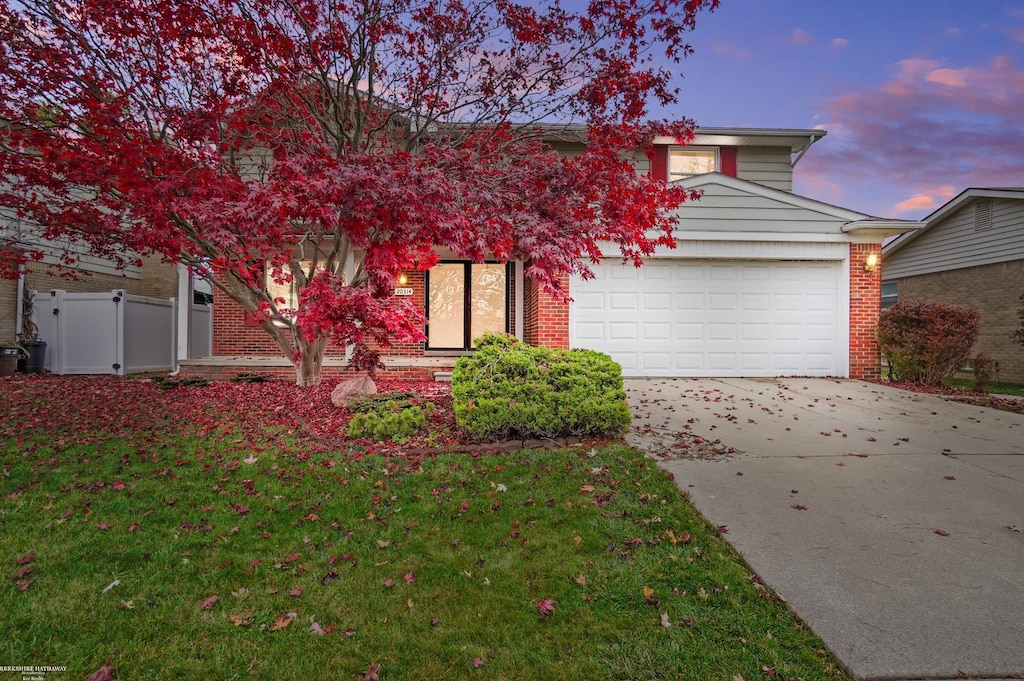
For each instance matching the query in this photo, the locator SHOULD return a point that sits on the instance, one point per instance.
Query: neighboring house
(151, 278)
(970, 252)
(763, 283)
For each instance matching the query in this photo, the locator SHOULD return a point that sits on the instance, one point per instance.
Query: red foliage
(253, 417)
(340, 142)
(926, 342)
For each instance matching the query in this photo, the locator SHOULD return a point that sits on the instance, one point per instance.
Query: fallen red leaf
(799, 507)
(208, 603)
(410, 578)
(21, 573)
(282, 622)
(546, 606)
(104, 673)
(25, 559)
(942, 533)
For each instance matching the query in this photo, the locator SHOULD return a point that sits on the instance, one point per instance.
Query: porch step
(443, 376)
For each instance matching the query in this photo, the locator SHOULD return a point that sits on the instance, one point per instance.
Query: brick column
(546, 319)
(865, 306)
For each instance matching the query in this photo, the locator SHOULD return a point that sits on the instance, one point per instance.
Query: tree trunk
(309, 365)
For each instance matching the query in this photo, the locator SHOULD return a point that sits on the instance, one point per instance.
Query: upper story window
(688, 162)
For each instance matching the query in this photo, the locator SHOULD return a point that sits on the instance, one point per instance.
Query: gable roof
(957, 202)
(820, 216)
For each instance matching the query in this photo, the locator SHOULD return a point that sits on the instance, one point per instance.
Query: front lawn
(171, 535)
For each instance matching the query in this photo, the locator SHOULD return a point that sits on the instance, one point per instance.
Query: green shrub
(512, 390)
(926, 342)
(389, 416)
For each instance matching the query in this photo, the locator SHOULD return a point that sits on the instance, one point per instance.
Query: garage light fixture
(403, 279)
(871, 262)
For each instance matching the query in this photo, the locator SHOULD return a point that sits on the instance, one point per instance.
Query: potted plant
(33, 356)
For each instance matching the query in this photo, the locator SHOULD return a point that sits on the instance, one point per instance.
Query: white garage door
(712, 318)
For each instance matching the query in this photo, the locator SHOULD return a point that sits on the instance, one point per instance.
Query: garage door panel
(657, 301)
(712, 318)
(623, 301)
(656, 331)
(623, 331)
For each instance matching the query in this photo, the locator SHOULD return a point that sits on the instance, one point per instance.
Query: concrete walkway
(892, 522)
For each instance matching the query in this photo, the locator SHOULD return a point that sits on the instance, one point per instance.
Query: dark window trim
(467, 312)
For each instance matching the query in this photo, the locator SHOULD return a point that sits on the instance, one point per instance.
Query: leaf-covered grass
(445, 567)
(995, 388)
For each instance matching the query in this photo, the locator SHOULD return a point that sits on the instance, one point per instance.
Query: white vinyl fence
(200, 330)
(109, 333)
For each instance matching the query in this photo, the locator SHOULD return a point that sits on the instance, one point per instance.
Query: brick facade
(993, 290)
(545, 318)
(865, 306)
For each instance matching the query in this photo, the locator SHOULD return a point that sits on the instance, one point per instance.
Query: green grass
(994, 387)
(484, 539)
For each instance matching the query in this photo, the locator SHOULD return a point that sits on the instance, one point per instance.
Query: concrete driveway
(892, 522)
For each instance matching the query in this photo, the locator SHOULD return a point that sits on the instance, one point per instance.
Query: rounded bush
(512, 390)
(926, 342)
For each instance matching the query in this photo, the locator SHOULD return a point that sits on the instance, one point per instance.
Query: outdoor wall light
(871, 262)
(402, 278)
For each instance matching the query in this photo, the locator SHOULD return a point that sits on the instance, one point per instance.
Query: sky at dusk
(920, 98)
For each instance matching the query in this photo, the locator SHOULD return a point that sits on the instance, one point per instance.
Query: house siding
(768, 166)
(994, 291)
(955, 243)
(727, 209)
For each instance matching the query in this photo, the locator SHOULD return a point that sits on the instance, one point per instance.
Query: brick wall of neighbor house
(994, 290)
(159, 280)
(545, 319)
(865, 306)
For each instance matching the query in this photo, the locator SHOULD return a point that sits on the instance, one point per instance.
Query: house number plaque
(403, 291)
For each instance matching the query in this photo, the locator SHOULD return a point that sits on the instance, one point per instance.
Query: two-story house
(763, 282)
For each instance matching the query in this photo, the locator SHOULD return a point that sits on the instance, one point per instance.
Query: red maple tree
(330, 144)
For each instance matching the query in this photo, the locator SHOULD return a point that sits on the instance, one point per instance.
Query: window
(464, 301)
(688, 162)
(287, 291)
(890, 291)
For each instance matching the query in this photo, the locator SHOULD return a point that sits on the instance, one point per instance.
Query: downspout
(20, 295)
(811, 140)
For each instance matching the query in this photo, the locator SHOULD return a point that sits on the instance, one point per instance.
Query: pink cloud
(929, 131)
(926, 201)
(948, 77)
(839, 43)
(954, 31)
(799, 37)
(737, 53)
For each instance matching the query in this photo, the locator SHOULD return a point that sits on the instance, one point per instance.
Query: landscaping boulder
(347, 392)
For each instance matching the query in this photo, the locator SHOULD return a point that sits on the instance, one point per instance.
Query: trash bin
(8, 360)
(35, 360)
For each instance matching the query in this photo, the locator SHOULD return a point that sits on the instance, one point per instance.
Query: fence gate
(106, 333)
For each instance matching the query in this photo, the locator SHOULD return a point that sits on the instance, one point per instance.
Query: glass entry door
(464, 301)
